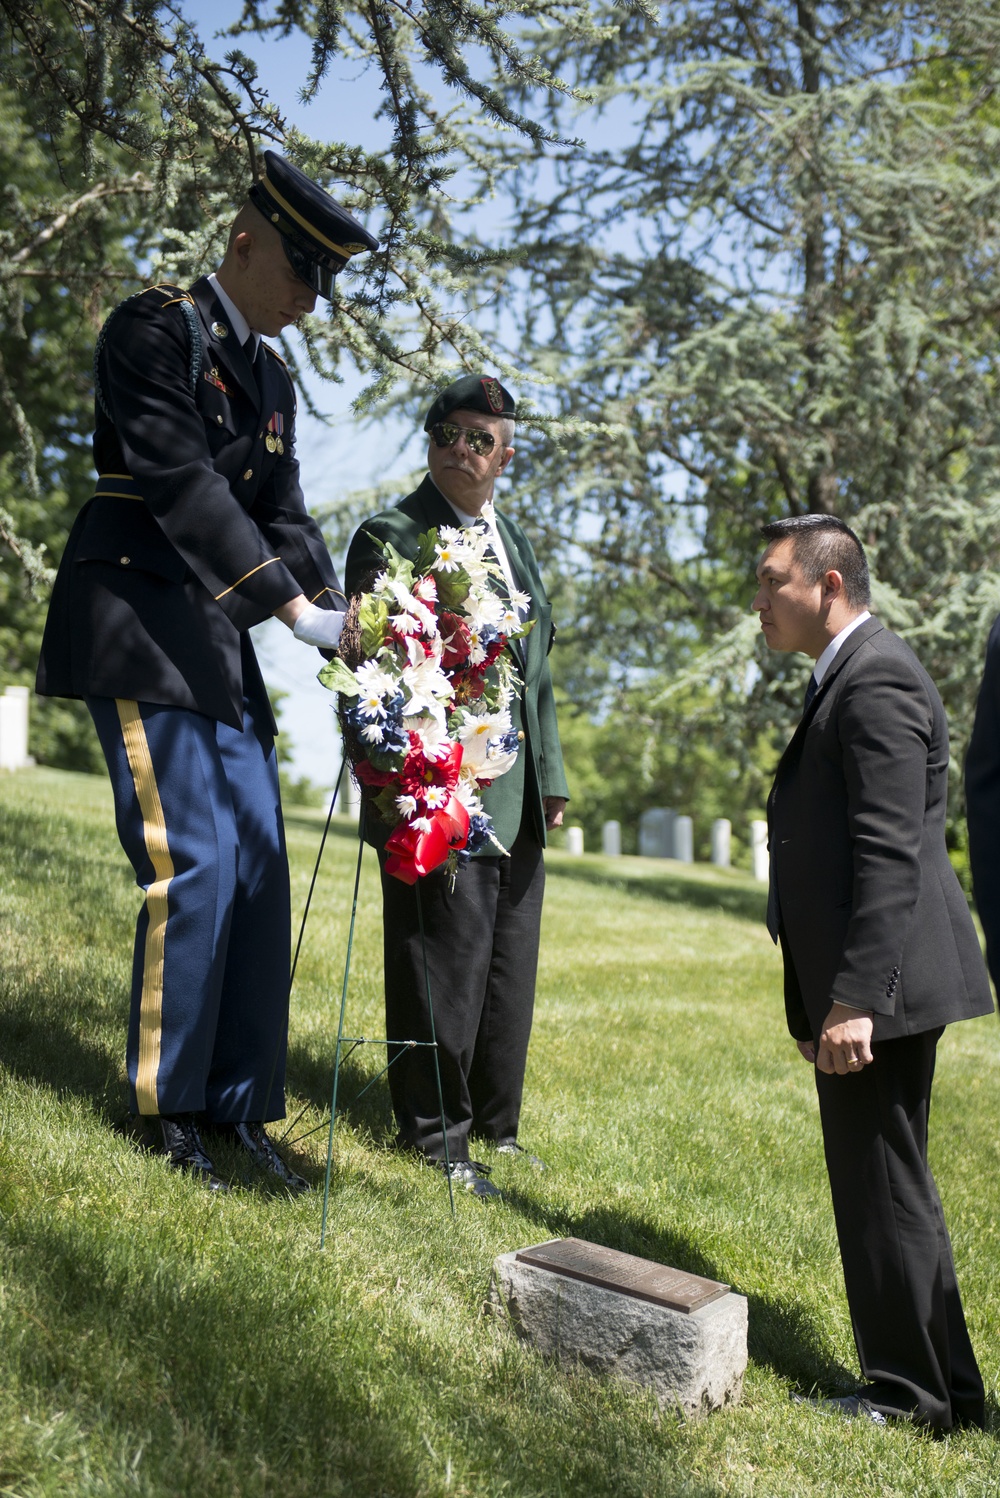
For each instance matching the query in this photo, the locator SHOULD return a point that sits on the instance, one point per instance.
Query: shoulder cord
(194, 340)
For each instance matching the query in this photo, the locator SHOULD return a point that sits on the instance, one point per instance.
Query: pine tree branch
(137, 183)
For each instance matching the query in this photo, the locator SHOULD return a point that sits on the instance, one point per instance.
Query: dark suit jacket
(539, 770)
(982, 796)
(196, 531)
(871, 912)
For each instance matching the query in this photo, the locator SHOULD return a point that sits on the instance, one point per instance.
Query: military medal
(275, 427)
(220, 330)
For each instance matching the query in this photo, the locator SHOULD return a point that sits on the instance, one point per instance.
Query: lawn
(157, 1340)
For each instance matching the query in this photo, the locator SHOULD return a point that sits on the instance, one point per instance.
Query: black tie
(250, 348)
(811, 690)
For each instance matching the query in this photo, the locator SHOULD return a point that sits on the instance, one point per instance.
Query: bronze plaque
(624, 1272)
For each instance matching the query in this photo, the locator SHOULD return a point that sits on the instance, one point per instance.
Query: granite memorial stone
(617, 1314)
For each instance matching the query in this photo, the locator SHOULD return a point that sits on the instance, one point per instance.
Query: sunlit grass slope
(154, 1340)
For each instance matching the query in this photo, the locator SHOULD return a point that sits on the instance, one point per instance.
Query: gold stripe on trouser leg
(154, 832)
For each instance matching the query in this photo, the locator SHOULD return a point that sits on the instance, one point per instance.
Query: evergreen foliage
(126, 145)
(779, 294)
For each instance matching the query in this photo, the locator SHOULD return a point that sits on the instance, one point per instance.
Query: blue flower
(479, 833)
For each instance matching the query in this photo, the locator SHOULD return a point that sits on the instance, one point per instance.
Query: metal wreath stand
(351, 644)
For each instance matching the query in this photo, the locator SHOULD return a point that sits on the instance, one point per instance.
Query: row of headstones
(14, 728)
(665, 834)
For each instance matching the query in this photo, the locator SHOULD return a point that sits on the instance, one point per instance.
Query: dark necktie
(250, 348)
(811, 690)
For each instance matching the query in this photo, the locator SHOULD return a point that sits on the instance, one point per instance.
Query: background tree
(770, 287)
(126, 144)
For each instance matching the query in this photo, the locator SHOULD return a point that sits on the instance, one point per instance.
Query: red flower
(419, 772)
(469, 686)
(456, 640)
(368, 775)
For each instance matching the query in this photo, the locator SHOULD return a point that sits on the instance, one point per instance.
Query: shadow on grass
(739, 902)
(781, 1335)
(250, 1387)
(363, 1100)
(70, 1059)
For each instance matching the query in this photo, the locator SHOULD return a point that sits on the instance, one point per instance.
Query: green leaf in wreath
(453, 588)
(337, 677)
(426, 552)
(398, 568)
(373, 616)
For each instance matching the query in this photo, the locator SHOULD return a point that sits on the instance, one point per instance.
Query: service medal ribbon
(213, 378)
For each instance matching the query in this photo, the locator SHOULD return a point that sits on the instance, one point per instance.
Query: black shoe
(848, 1406)
(181, 1143)
(253, 1138)
(471, 1175)
(511, 1147)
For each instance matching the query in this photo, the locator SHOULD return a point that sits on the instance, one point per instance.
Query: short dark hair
(822, 544)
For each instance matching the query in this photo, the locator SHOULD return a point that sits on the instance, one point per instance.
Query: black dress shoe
(511, 1147)
(848, 1406)
(181, 1143)
(471, 1176)
(254, 1139)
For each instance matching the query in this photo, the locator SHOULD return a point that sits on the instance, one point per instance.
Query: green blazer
(539, 770)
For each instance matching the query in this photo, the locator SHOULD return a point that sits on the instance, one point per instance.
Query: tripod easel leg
(340, 1029)
(437, 1057)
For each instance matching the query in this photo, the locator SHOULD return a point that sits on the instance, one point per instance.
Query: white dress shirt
(238, 324)
(826, 660)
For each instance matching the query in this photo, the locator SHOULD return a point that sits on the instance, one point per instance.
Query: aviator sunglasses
(447, 433)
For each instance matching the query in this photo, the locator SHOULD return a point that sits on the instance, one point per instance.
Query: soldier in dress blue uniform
(196, 532)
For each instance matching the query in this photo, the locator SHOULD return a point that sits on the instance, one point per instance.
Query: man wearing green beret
(481, 936)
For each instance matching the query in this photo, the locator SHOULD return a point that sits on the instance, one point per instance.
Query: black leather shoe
(181, 1143)
(471, 1176)
(253, 1138)
(511, 1147)
(848, 1406)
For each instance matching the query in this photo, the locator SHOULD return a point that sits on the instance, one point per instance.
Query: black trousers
(909, 1326)
(482, 957)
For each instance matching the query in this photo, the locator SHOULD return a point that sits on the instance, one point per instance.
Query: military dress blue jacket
(197, 529)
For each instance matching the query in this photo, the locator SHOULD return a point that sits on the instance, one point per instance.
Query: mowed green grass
(157, 1340)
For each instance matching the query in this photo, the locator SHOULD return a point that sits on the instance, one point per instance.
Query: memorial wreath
(425, 688)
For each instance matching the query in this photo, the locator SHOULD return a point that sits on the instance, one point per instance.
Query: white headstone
(349, 800)
(656, 838)
(693, 1360)
(611, 839)
(758, 849)
(14, 728)
(574, 841)
(684, 839)
(721, 838)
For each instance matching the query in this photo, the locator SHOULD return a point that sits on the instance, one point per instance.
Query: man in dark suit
(982, 801)
(879, 954)
(196, 532)
(482, 936)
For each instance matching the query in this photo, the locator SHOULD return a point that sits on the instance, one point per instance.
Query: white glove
(320, 627)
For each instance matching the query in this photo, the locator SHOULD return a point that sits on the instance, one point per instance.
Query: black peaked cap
(318, 235)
